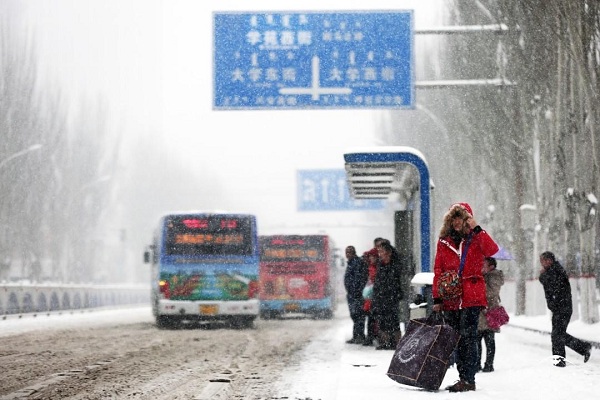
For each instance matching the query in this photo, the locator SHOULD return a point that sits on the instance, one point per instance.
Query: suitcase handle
(436, 318)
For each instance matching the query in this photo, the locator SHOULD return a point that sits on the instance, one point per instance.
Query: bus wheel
(267, 315)
(242, 322)
(324, 314)
(164, 322)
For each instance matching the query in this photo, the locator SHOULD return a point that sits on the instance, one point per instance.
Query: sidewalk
(330, 369)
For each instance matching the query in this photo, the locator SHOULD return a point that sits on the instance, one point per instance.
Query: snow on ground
(330, 369)
(66, 320)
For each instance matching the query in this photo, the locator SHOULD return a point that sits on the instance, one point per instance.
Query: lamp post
(20, 153)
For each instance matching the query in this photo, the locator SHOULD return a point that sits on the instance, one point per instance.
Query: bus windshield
(194, 235)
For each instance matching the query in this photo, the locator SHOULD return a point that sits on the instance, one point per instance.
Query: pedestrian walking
(557, 291)
(461, 248)
(355, 280)
(494, 279)
(387, 293)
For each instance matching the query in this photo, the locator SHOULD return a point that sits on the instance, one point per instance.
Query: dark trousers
(388, 325)
(560, 338)
(488, 338)
(357, 314)
(465, 322)
(389, 321)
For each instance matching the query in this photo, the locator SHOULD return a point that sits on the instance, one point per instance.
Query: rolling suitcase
(422, 354)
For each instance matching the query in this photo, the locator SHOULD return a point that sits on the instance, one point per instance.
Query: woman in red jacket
(461, 237)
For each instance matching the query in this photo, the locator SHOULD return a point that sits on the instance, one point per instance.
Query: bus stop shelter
(396, 173)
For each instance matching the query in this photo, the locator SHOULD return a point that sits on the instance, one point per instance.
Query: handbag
(450, 282)
(496, 317)
(449, 285)
(422, 355)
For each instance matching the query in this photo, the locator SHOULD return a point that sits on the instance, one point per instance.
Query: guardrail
(26, 298)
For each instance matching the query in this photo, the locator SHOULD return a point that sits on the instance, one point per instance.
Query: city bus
(297, 276)
(204, 268)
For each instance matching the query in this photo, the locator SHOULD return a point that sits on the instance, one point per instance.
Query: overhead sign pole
(300, 60)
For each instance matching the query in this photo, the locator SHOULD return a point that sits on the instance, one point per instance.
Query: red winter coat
(447, 257)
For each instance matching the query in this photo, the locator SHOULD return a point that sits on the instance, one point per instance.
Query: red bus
(297, 274)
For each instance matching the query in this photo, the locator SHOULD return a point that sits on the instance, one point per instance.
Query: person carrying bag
(462, 241)
(421, 357)
(491, 318)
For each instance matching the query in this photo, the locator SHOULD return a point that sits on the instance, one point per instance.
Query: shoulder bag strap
(463, 254)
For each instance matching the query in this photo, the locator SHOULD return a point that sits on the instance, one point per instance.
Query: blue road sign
(327, 190)
(298, 60)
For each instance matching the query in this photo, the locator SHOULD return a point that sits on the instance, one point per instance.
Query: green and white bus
(205, 268)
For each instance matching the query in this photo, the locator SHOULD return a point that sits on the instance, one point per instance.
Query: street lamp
(20, 153)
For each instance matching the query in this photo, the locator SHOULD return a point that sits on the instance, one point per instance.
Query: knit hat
(466, 206)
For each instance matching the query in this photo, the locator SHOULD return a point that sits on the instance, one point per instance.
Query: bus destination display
(216, 235)
(294, 249)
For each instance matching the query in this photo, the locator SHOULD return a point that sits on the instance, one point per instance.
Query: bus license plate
(292, 307)
(209, 309)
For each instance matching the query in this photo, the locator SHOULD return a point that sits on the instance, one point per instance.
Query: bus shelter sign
(327, 190)
(298, 60)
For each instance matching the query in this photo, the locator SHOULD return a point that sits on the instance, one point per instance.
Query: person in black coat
(557, 290)
(387, 293)
(355, 280)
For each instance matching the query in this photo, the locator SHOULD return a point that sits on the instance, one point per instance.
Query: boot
(487, 368)
(462, 386)
(559, 361)
(385, 341)
(356, 340)
(586, 355)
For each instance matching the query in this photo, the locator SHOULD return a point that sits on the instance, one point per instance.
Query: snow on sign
(327, 190)
(298, 60)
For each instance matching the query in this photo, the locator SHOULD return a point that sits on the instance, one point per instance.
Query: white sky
(152, 60)
(330, 369)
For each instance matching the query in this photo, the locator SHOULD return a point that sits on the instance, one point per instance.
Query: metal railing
(27, 298)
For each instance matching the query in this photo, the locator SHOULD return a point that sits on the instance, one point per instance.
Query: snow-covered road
(327, 368)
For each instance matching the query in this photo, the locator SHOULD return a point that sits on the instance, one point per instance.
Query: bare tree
(534, 146)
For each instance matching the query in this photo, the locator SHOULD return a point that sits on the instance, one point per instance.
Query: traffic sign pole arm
(443, 83)
(462, 30)
(466, 29)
